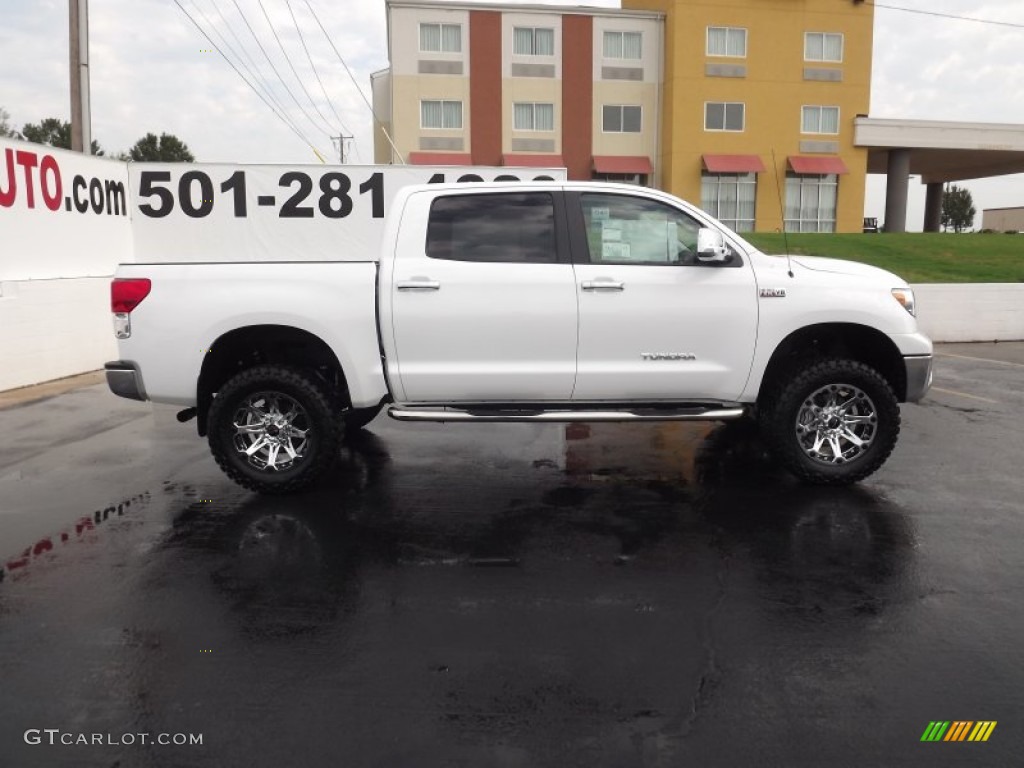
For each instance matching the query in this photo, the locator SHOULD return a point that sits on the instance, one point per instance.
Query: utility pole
(341, 146)
(81, 114)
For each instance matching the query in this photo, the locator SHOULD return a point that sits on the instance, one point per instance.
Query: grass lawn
(916, 257)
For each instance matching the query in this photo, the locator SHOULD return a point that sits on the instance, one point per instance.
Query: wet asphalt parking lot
(514, 595)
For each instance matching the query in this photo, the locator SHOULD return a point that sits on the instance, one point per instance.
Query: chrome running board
(564, 415)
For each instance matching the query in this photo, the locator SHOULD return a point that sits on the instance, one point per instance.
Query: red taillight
(126, 293)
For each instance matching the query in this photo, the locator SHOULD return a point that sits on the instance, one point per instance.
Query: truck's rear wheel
(835, 423)
(273, 429)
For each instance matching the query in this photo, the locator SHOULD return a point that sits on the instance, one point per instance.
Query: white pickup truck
(534, 301)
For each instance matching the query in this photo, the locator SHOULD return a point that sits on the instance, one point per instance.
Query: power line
(356, 84)
(941, 15)
(287, 58)
(237, 72)
(270, 61)
(313, 67)
(254, 71)
(241, 45)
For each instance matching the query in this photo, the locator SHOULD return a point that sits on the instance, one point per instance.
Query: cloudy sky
(151, 72)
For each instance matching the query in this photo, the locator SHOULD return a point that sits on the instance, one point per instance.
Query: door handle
(418, 284)
(602, 285)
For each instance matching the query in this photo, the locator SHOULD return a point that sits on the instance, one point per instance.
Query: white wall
(65, 224)
(971, 312)
(54, 328)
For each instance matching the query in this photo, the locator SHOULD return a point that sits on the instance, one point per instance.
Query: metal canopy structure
(938, 152)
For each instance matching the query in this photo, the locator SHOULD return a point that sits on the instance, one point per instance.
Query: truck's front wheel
(834, 423)
(272, 429)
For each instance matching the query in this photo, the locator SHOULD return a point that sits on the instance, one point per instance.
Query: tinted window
(506, 227)
(635, 230)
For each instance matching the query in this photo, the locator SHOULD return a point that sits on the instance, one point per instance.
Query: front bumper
(919, 376)
(125, 380)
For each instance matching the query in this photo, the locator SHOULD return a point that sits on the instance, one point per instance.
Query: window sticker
(615, 251)
(611, 233)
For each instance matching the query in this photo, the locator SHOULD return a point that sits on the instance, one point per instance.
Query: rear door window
(517, 227)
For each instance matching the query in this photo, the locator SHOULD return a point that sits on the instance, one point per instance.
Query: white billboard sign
(214, 212)
(67, 215)
(62, 214)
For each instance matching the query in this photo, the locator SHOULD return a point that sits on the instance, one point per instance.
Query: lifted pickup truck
(535, 301)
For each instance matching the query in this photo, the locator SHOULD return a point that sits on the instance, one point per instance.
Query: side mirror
(711, 247)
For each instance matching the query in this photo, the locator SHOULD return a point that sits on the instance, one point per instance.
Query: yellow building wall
(773, 90)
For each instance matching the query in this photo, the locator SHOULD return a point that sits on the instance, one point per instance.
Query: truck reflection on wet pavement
(606, 594)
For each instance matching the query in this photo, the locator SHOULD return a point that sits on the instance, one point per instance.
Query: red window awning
(440, 158)
(623, 164)
(733, 163)
(817, 165)
(533, 161)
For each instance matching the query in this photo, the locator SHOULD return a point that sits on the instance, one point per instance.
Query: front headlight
(905, 297)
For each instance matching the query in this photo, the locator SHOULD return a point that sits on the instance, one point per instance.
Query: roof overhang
(623, 164)
(817, 164)
(943, 151)
(733, 163)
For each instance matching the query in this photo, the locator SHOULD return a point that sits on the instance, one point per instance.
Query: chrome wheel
(836, 424)
(271, 430)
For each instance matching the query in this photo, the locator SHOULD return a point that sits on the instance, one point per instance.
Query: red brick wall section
(577, 94)
(485, 87)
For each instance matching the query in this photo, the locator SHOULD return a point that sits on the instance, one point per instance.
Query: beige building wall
(582, 81)
(426, 75)
(1003, 219)
(629, 82)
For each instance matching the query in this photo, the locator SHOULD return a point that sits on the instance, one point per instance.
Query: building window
(516, 228)
(823, 46)
(723, 116)
(619, 118)
(441, 114)
(729, 197)
(533, 41)
(622, 45)
(527, 116)
(441, 38)
(811, 202)
(820, 120)
(727, 41)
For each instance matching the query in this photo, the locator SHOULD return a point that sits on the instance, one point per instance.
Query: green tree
(165, 149)
(55, 132)
(5, 128)
(957, 209)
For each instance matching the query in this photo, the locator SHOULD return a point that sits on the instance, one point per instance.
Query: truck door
(655, 323)
(483, 308)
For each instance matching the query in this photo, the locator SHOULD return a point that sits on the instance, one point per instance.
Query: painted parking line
(981, 359)
(964, 394)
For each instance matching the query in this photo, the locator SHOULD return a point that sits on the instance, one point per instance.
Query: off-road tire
(780, 412)
(322, 439)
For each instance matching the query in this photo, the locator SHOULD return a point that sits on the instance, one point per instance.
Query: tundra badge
(667, 356)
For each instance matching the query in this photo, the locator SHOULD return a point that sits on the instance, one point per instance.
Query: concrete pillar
(933, 207)
(897, 182)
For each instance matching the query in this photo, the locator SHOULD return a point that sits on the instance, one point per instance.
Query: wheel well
(243, 348)
(842, 340)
